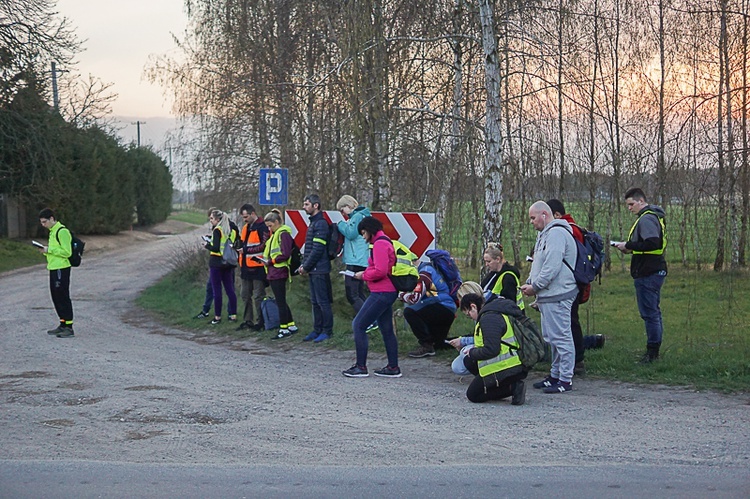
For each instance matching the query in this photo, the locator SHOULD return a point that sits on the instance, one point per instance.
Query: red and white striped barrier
(415, 230)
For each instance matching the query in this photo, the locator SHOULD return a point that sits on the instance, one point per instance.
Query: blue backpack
(446, 266)
(589, 257)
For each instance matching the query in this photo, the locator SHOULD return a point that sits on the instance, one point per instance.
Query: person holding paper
(276, 258)
(57, 252)
(221, 273)
(355, 249)
(379, 305)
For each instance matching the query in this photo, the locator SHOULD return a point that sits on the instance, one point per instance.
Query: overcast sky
(119, 37)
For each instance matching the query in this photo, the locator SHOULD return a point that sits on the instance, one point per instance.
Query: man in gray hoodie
(551, 281)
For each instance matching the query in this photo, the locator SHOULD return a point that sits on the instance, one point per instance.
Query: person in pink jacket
(378, 307)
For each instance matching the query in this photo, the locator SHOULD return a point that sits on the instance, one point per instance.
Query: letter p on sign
(273, 186)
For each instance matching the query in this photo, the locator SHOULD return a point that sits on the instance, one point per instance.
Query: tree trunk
(493, 176)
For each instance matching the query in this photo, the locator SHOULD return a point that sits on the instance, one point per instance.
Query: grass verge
(706, 315)
(17, 254)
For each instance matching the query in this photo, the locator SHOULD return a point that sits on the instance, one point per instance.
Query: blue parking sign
(274, 186)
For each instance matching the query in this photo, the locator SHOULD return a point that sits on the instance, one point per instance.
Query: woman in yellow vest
(497, 369)
(502, 278)
(277, 257)
(221, 272)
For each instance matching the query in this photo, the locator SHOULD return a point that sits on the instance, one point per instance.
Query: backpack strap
(574, 241)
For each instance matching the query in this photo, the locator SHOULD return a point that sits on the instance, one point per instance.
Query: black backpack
(295, 259)
(76, 246)
(335, 243)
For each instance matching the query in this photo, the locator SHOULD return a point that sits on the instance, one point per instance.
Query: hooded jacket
(647, 236)
(356, 249)
(493, 329)
(551, 278)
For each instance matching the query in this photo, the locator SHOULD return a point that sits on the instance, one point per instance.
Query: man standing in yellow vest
(648, 267)
(57, 252)
(252, 271)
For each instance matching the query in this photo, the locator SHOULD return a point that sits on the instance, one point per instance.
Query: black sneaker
(202, 315)
(283, 333)
(53, 332)
(65, 332)
(356, 372)
(559, 387)
(546, 382)
(244, 325)
(519, 393)
(389, 372)
(255, 327)
(215, 321)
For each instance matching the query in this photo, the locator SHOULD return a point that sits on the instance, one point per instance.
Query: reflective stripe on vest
(519, 294)
(252, 239)
(663, 234)
(505, 358)
(273, 247)
(221, 243)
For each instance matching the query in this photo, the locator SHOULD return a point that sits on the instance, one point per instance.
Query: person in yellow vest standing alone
(57, 252)
(648, 267)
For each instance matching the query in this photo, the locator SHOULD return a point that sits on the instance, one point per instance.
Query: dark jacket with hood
(647, 236)
(493, 329)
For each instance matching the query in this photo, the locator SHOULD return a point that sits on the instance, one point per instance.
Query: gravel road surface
(129, 390)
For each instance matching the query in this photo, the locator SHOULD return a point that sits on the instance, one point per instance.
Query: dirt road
(130, 390)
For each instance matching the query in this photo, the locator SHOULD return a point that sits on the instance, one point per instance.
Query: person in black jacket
(648, 267)
(496, 366)
(317, 265)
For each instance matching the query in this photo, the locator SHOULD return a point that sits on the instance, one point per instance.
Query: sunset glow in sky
(118, 39)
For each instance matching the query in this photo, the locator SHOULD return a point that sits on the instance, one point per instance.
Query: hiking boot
(546, 382)
(311, 336)
(321, 337)
(53, 332)
(652, 354)
(579, 369)
(356, 372)
(389, 372)
(519, 393)
(559, 387)
(202, 315)
(372, 327)
(65, 332)
(283, 333)
(422, 351)
(244, 325)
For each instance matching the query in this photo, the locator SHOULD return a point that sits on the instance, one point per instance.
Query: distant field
(197, 217)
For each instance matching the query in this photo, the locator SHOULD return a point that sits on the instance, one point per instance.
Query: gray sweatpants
(556, 330)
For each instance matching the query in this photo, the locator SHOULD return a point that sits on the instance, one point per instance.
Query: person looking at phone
(276, 258)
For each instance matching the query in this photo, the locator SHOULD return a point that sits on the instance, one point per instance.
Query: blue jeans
(321, 296)
(648, 295)
(209, 296)
(377, 307)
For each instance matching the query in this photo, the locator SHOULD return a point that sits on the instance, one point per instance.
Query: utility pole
(138, 128)
(55, 94)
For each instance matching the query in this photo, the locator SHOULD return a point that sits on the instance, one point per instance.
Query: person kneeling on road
(497, 369)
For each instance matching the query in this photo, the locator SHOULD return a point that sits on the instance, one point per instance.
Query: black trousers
(430, 324)
(59, 288)
(278, 286)
(575, 327)
(479, 391)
